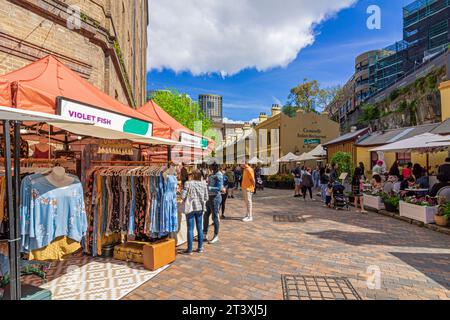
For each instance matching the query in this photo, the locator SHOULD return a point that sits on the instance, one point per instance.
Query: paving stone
(250, 258)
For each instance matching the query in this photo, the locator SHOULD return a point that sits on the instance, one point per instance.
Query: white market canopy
(423, 143)
(79, 127)
(317, 153)
(290, 157)
(255, 160)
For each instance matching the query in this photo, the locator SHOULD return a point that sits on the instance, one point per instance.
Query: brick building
(107, 45)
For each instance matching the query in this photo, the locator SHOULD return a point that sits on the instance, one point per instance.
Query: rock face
(417, 104)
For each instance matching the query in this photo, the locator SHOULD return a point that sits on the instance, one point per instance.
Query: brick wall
(31, 29)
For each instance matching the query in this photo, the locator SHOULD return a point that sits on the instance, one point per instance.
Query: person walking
(248, 187)
(225, 191)
(238, 177)
(357, 181)
(307, 183)
(215, 186)
(258, 177)
(324, 180)
(195, 195)
(231, 182)
(316, 178)
(297, 173)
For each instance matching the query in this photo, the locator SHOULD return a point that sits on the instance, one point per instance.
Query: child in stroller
(340, 201)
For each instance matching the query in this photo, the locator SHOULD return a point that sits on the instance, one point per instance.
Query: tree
(344, 163)
(181, 107)
(310, 97)
(370, 113)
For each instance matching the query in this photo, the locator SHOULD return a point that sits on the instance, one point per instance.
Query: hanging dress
(169, 206)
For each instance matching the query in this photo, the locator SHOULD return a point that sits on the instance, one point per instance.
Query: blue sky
(330, 60)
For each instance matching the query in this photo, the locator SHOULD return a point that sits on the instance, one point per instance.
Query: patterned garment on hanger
(51, 212)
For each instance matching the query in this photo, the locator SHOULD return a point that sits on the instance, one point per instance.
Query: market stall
(46, 98)
(196, 147)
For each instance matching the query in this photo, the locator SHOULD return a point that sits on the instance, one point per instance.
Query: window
(403, 158)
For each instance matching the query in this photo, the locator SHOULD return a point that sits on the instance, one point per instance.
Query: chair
(444, 192)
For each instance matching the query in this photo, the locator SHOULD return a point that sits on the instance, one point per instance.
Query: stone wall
(109, 50)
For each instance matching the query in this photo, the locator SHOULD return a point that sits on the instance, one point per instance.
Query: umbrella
(315, 154)
(255, 160)
(290, 157)
(424, 143)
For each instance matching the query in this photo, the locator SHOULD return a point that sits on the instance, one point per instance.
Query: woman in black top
(356, 188)
(395, 171)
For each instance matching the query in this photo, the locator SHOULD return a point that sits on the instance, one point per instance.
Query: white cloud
(205, 36)
(226, 120)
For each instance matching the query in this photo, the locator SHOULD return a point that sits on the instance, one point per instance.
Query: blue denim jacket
(215, 183)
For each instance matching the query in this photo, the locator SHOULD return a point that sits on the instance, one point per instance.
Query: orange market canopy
(48, 86)
(194, 144)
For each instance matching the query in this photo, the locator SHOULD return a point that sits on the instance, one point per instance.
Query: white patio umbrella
(317, 153)
(290, 157)
(424, 143)
(255, 160)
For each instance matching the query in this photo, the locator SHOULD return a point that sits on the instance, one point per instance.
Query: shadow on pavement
(435, 266)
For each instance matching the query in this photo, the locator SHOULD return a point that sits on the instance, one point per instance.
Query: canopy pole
(14, 288)
(428, 164)
(169, 153)
(17, 195)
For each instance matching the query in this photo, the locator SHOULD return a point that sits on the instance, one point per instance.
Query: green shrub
(394, 95)
(344, 163)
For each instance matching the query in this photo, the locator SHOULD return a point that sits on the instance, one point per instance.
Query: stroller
(339, 199)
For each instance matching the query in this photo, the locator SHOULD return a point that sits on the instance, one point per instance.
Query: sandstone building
(107, 45)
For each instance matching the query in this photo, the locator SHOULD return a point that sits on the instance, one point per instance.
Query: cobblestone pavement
(250, 258)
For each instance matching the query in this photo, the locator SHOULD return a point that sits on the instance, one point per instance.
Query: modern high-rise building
(425, 37)
(211, 105)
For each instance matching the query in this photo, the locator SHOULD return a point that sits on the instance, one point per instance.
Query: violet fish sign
(102, 118)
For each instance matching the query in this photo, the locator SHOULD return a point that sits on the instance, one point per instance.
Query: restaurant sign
(194, 141)
(311, 141)
(74, 110)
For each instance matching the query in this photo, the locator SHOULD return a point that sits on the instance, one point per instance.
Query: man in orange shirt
(248, 188)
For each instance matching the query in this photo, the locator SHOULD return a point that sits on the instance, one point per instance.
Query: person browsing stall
(195, 195)
(215, 188)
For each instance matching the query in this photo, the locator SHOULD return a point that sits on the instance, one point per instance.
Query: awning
(317, 154)
(37, 86)
(423, 143)
(255, 160)
(177, 130)
(290, 157)
(12, 114)
(78, 127)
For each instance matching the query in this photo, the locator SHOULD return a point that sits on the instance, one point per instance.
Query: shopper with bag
(195, 195)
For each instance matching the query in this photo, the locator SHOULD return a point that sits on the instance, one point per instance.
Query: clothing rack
(100, 162)
(129, 171)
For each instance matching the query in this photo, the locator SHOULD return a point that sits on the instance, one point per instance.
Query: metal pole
(17, 195)
(10, 209)
(169, 153)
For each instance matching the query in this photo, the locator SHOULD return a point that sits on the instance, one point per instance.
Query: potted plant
(373, 200)
(419, 208)
(391, 203)
(443, 215)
